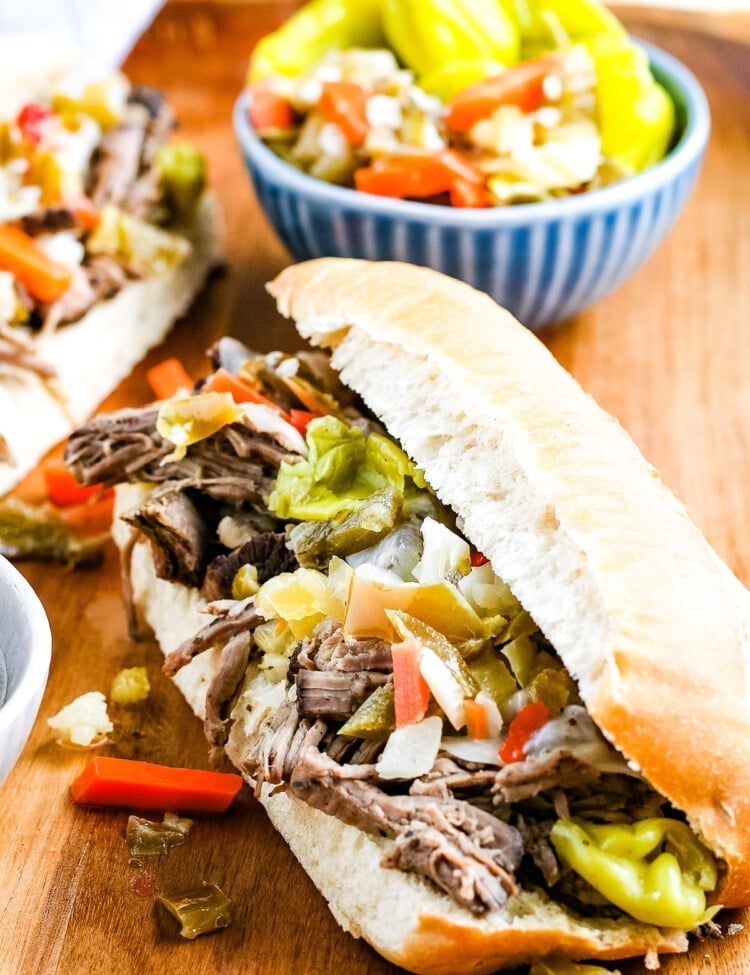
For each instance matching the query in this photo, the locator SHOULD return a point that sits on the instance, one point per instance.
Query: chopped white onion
(411, 751)
(484, 751)
(83, 722)
(265, 420)
(62, 247)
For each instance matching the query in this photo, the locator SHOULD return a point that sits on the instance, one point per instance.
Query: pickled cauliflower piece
(84, 722)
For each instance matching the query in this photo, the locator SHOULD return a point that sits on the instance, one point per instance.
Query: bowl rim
(36, 671)
(688, 148)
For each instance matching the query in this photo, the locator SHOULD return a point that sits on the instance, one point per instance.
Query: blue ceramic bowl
(25, 651)
(543, 261)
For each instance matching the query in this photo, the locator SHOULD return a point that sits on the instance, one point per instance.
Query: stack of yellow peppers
(449, 44)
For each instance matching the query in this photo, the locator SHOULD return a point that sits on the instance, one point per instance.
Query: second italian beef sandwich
(448, 622)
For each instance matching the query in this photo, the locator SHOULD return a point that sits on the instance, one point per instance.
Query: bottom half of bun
(401, 916)
(92, 356)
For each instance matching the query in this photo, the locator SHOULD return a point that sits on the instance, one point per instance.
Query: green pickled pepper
(317, 27)
(428, 35)
(375, 718)
(655, 870)
(183, 177)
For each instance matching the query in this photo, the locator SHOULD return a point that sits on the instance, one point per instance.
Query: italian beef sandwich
(458, 636)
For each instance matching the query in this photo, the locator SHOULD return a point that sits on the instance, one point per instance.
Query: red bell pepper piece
(124, 782)
(31, 119)
(345, 103)
(522, 85)
(62, 488)
(410, 690)
(300, 419)
(91, 517)
(522, 727)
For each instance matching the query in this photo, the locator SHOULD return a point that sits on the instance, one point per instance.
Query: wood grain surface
(668, 353)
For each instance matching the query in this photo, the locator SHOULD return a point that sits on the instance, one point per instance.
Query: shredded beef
(234, 659)
(465, 851)
(115, 164)
(538, 847)
(329, 649)
(267, 551)
(552, 770)
(50, 220)
(278, 744)
(17, 350)
(228, 620)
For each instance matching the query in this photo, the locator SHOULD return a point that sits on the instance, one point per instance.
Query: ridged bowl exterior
(543, 261)
(26, 647)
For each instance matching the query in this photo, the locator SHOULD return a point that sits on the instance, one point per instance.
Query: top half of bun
(647, 618)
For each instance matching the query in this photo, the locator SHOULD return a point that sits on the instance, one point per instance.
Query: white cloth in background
(103, 30)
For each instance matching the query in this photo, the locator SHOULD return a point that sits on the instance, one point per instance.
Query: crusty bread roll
(646, 617)
(91, 356)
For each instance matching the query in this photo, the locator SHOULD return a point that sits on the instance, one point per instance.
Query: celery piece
(148, 838)
(199, 910)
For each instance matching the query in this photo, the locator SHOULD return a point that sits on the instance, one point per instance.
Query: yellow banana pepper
(427, 35)
(545, 24)
(318, 27)
(655, 870)
(636, 115)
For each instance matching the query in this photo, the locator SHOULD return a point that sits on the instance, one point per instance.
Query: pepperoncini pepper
(655, 870)
(427, 35)
(318, 27)
(546, 24)
(636, 115)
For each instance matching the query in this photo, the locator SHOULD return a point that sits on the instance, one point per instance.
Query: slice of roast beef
(267, 551)
(180, 539)
(332, 694)
(465, 851)
(236, 464)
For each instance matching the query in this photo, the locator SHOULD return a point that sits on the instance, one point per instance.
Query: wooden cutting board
(669, 354)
